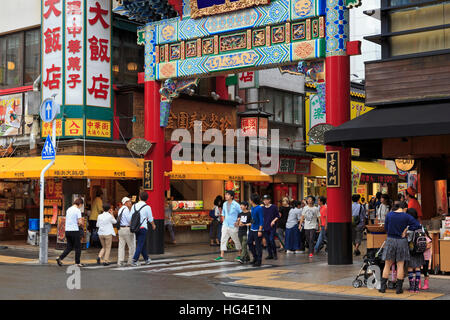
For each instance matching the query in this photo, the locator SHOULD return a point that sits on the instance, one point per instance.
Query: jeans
(169, 227)
(256, 247)
(141, 248)
(292, 242)
(321, 239)
(270, 241)
(73, 242)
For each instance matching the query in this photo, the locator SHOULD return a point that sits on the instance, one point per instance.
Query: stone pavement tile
(15, 260)
(425, 296)
(332, 289)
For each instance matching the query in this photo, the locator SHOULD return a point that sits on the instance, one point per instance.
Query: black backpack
(136, 224)
(117, 225)
(418, 243)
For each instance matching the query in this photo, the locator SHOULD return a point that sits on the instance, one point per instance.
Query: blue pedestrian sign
(48, 152)
(49, 110)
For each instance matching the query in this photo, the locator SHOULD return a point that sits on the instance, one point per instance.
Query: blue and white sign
(49, 110)
(48, 152)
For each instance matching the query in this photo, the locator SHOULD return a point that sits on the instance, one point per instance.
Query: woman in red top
(413, 203)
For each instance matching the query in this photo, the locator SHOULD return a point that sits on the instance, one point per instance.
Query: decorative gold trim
(199, 48)
(321, 27)
(288, 32)
(308, 29)
(222, 8)
(157, 54)
(182, 50)
(216, 44)
(249, 39)
(268, 36)
(166, 53)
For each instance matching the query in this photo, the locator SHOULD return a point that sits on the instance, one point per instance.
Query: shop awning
(371, 172)
(216, 171)
(67, 166)
(392, 122)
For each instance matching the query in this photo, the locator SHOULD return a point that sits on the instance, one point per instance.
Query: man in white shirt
(141, 236)
(72, 232)
(125, 236)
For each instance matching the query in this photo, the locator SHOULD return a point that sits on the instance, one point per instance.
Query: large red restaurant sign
(76, 52)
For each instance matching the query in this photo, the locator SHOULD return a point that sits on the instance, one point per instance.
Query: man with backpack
(141, 215)
(358, 222)
(126, 237)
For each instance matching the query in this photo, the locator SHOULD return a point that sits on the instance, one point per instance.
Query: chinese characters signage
(98, 53)
(52, 46)
(10, 114)
(74, 49)
(148, 175)
(74, 127)
(185, 120)
(294, 165)
(377, 178)
(47, 128)
(247, 80)
(333, 174)
(98, 128)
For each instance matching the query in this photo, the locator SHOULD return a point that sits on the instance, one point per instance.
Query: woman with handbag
(105, 225)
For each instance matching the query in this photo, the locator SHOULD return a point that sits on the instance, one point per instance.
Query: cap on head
(267, 197)
(125, 199)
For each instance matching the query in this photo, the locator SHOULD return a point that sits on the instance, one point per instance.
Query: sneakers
(300, 251)
(219, 259)
(135, 264)
(98, 260)
(237, 258)
(269, 257)
(240, 260)
(357, 252)
(58, 261)
(121, 265)
(149, 261)
(290, 251)
(310, 255)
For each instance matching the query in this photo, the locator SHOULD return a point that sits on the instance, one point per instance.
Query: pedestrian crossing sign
(48, 152)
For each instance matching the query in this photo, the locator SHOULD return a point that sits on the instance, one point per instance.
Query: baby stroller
(373, 257)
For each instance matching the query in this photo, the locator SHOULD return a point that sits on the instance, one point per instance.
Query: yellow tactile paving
(15, 260)
(272, 279)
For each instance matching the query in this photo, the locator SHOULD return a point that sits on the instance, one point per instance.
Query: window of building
(418, 29)
(284, 106)
(127, 57)
(11, 58)
(32, 56)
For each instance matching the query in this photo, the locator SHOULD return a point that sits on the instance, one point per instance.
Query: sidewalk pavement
(289, 272)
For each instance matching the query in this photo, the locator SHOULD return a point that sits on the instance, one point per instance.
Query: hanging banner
(333, 173)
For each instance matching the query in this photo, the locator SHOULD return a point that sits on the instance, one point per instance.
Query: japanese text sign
(98, 128)
(333, 173)
(248, 79)
(148, 175)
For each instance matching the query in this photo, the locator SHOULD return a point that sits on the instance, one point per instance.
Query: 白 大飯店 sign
(333, 173)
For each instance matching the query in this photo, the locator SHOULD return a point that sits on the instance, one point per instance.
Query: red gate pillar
(337, 66)
(155, 134)
(339, 198)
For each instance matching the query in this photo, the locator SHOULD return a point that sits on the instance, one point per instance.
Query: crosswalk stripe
(203, 265)
(245, 296)
(202, 272)
(157, 264)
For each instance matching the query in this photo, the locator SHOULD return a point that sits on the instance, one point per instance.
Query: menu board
(187, 205)
(191, 218)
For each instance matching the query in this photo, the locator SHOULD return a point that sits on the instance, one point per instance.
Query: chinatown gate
(216, 37)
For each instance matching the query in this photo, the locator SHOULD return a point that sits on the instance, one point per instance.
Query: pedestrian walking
(96, 209)
(281, 225)
(168, 223)
(126, 237)
(311, 218)
(323, 224)
(256, 230)
(396, 248)
(230, 212)
(426, 265)
(372, 210)
(72, 231)
(292, 240)
(413, 203)
(358, 222)
(271, 216)
(105, 225)
(244, 222)
(384, 208)
(416, 260)
(146, 217)
(216, 224)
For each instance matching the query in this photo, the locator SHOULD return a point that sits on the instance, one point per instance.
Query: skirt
(416, 260)
(396, 250)
(292, 240)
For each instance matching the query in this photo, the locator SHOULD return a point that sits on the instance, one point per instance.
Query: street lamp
(254, 123)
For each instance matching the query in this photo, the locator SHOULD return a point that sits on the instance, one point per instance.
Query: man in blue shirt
(256, 230)
(358, 219)
(230, 212)
(271, 216)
